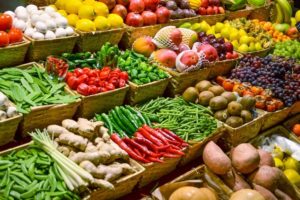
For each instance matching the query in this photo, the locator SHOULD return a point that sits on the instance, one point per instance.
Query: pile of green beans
(31, 174)
(190, 121)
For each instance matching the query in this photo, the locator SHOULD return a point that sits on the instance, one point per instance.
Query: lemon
(53, 6)
(243, 48)
(102, 23)
(218, 27)
(277, 152)
(293, 21)
(101, 9)
(115, 20)
(252, 46)
(234, 36)
(235, 44)
(204, 26)
(210, 31)
(89, 2)
(293, 176)
(72, 7)
(291, 163)
(72, 19)
(245, 40)
(242, 32)
(278, 163)
(85, 25)
(225, 32)
(195, 27)
(218, 35)
(86, 12)
(297, 16)
(258, 46)
(60, 4)
(63, 13)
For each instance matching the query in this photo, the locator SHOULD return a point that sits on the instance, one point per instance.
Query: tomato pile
(8, 35)
(88, 81)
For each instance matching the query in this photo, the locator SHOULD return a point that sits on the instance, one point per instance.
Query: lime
(243, 48)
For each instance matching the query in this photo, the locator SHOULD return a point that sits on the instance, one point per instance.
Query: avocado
(218, 103)
(221, 115)
(246, 115)
(234, 108)
(203, 85)
(248, 102)
(204, 98)
(190, 94)
(230, 96)
(234, 121)
(217, 90)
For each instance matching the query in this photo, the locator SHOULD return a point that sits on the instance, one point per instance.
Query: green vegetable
(235, 4)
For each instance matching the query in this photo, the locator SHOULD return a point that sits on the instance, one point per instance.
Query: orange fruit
(296, 129)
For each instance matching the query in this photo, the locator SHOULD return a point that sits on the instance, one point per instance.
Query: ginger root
(95, 157)
(71, 125)
(86, 128)
(111, 172)
(55, 130)
(73, 140)
(66, 150)
(99, 183)
(91, 147)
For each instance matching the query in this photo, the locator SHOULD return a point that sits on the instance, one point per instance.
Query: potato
(204, 194)
(266, 177)
(282, 196)
(215, 159)
(264, 192)
(246, 194)
(245, 158)
(265, 158)
(235, 181)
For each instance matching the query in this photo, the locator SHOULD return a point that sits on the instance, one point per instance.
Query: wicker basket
(123, 186)
(154, 171)
(291, 122)
(140, 93)
(178, 22)
(40, 49)
(261, 53)
(99, 103)
(8, 129)
(244, 13)
(93, 41)
(273, 118)
(14, 54)
(295, 108)
(262, 13)
(40, 2)
(213, 19)
(180, 81)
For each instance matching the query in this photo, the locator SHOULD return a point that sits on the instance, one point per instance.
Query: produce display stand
(41, 116)
(40, 49)
(140, 93)
(288, 124)
(261, 13)
(213, 19)
(123, 186)
(100, 102)
(244, 13)
(92, 41)
(14, 54)
(272, 118)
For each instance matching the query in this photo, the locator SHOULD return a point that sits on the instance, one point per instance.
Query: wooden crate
(93, 41)
(154, 171)
(98, 103)
(273, 118)
(291, 122)
(123, 186)
(180, 81)
(40, 49)
(213, 19)
(244, 13)
(8, 129)
(141, 93)
(14, 54)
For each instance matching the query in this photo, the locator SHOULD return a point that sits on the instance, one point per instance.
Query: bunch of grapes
(279, 75)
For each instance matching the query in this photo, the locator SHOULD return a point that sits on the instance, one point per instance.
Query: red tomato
(103, 89)
(4, 38)
(124, 76)
(69, 74)
(15, 35)
(78, 72)
(83, 89)
(104, 75)
(106, 69)
(109, 86)
(73, 82)
(93, 89)
(114, 81)
(83, 78)
(92, 81)
(122, 83)
(92, 73)
(102, 83)
(86, 70)
(5, 22)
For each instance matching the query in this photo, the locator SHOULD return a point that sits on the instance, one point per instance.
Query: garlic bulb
(61, 22)
(41, 27)
(38, 36)
(69, 31)
(60, 32)
(31, 8)
(51, 25)
(50, 35)
(29, 32)
(20, 24)
(11, 111)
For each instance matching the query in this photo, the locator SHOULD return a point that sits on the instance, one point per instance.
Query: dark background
(10, 4)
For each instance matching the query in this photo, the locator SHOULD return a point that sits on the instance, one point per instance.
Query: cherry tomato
(114, 81)
(124, 76)
(15, 35)
(4, 38)
(109, 86)
(78, 72)
(5, 22)
(73, 82)
(83, 78)
(104, 75)
(122, 83)
(86, 70)
(93, 89)
(83, 89)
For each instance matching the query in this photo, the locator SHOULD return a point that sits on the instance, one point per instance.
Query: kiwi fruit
(203, 85)
(190, 94)
(246, 115)
(205, 97)
(218, 103)
(248, 102)
(221, 115)
(234, 108)
(234, 121)
(217, 90)
(229, 96)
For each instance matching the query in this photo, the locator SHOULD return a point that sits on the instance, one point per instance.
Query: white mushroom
(60, 32)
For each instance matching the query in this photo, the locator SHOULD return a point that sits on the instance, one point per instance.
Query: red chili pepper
(168, 155)
(123, 145)
(73, 82)
(150, 137)
(174, 151)
(166, 135)
(146, 142)
(154, 159)
(175, 147)
(140, 147)
(156, 134)
(163, 147)
(83, 89)
(176, 137)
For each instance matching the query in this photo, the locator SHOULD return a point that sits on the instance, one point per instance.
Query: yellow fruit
(210, 31)
(291, 163)
(204, 26)
(293, 21)
(252, 46)
(115, 21)
(243, 48)
(72, 19)
(297, 16)
(242, 32)
(63, 13)
(102, 23)
(72, 7)
(60, 4)
(258, 46)
(277, 152)
(218, 27)
(225, 33)
(85, 25)
(278, 163)
(218, 35)
(89, 2)
(53, 6)
(101, 9)
(86, 12)
(235, 44)
(293, 176)
(245, 40)
(234, 36)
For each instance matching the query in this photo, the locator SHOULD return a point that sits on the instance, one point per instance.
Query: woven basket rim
(217, 132)
(24, 42)
(214, 15)
(227, 60)
(254, 52)
(75, 35)
(99, 32)
(140, 169)
(18, 116)
(151, 83)
(164, 159)
(19, 147)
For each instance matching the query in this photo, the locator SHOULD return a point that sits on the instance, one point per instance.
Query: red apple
(229, 55)
(134, 19)
(149, 18)
(123, 2)
(229, 47)
(136, 6)
(214, 2)
(151, 4)
(221, 10)
(182, 47)
(189, 58)
(235, 55)
(202, 11)
(210, 10)
(216, 9)
(210, 52)
(204, 3)
(120, 10)
(163, 15)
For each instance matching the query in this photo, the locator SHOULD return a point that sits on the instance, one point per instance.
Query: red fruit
(5, 22)
(221, 10)
(183, 47)
(144, 45)
(4, 39)
(235, 55)
(176, 36)
(214, 2)
(120, 10)
(134, 19)
(165, 57)
(151, 4)
(149, 18)
(229, 55)
(163, 15)
(210, 52)
(15, 35)
(229, 47)
(204, 3)
(110, 3)
(216, 9)
(123, 2)
(189, 58)
(202, 11)
(210, 10)
(136, 6)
